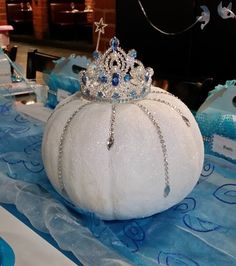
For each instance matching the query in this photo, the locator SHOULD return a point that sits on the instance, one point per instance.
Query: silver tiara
(115, 76)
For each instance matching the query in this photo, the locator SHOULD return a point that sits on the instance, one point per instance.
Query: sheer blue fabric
(200, 230)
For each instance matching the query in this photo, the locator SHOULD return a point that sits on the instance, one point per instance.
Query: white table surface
(30, 249)
(37, 111)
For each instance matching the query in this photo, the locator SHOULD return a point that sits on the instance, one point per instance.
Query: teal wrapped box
(217, 121)
(63, 80)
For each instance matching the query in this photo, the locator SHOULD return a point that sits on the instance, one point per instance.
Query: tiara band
(115, 76)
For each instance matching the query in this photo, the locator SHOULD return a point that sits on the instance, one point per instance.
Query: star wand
(100, 29)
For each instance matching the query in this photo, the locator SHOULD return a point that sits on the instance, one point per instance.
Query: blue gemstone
(127, 77)
(133, 94)
(115, 79)
(103, 78)
(96, 54)
(146, 77)
(132, 53)
(115, 95)
(114, 43)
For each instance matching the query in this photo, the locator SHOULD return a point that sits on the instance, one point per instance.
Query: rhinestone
(163, 147)
(100, 94)
(115, 79)
(111, 139)
(103, 78)
(166, 191)
(110, 142)
(60, 148)
(96, 55)
(114, 43)
(186, 120)
(116, 95)
(133, 93)
(127, 77)
(143, 90)
(132, 53)
(150, 71)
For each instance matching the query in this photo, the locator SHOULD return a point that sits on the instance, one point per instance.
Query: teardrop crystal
(110, 143)
(166, 191)
(186, 120)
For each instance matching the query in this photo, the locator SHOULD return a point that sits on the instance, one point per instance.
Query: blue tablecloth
(200, 230)
(7, 257)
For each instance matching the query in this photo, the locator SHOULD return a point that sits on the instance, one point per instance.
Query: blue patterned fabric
(199, 231)
(7, 256)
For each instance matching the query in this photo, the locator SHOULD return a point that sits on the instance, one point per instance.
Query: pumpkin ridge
(163, 146)
(60, 147)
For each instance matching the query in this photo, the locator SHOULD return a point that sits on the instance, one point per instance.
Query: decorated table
(200, 230)
(115, 175)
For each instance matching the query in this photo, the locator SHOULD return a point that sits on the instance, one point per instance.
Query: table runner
(200, 230)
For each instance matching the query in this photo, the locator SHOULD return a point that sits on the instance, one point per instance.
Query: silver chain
(163, 147)
(61, 146)
(60, 106)
(185, 119)
(111, 138)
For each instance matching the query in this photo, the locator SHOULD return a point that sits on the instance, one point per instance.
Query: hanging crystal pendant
(166, 191)
(186, 120)
(110, 142)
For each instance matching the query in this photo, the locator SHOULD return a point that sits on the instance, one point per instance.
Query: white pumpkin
(119, 148)
(128, 180)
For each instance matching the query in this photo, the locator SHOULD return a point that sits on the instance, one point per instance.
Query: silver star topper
(100, 26)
